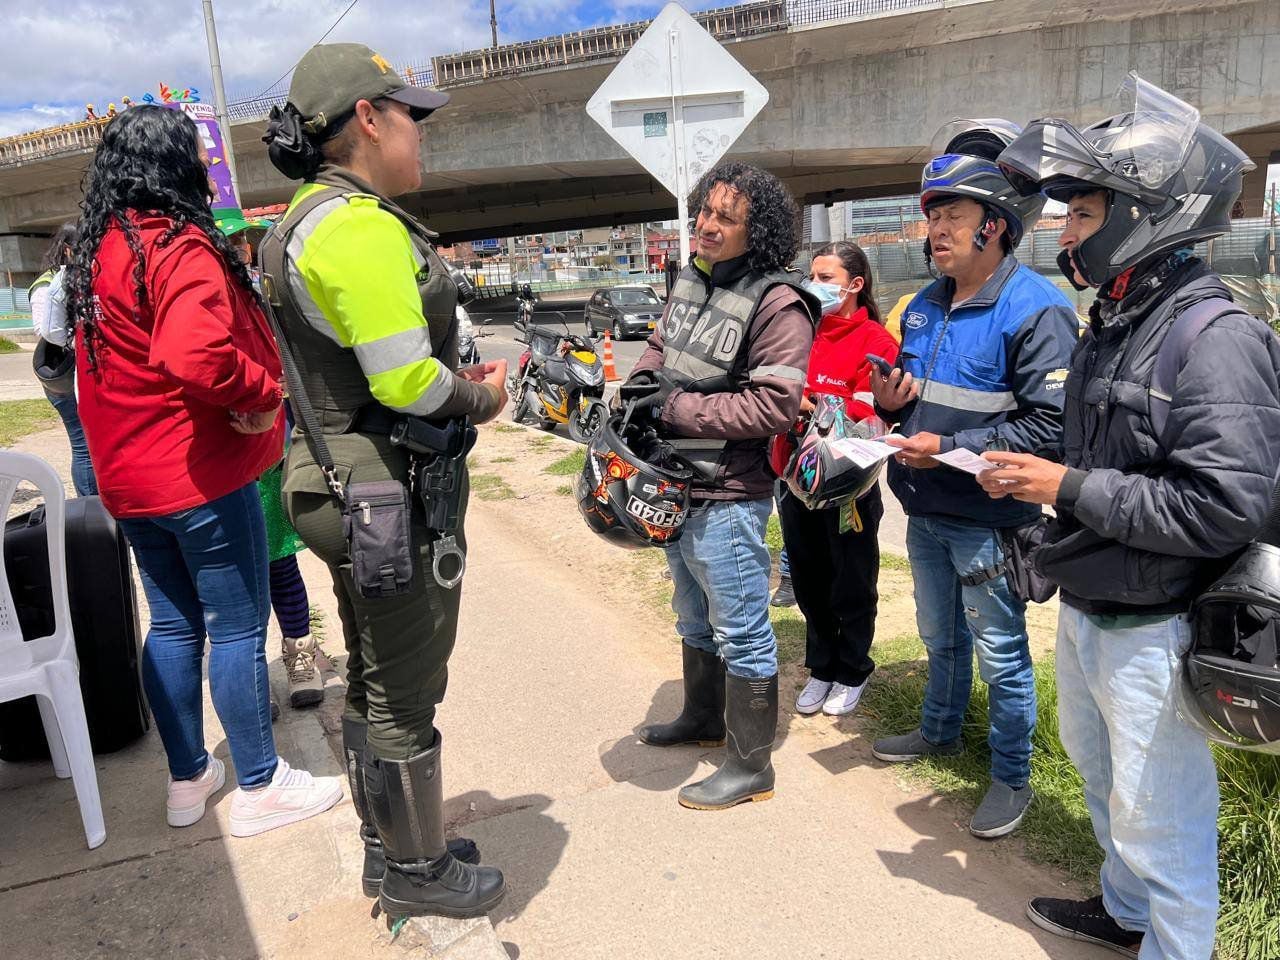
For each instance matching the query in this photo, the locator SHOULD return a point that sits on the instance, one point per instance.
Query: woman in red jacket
(179, 396)
(835, 561)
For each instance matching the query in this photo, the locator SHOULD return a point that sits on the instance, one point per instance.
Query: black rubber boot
(406, 801)
(751, 714)
(701, 721)
(354, 737)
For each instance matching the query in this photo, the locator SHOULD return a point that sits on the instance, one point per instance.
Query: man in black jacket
(1172, 438)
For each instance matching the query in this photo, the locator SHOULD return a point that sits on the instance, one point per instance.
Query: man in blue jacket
(985, 351)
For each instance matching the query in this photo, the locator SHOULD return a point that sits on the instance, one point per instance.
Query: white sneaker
(186, 800)
(292, 795)
(812, 696)
(843, 699)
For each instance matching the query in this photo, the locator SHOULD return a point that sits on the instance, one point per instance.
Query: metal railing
(68, 138)
(599, 43)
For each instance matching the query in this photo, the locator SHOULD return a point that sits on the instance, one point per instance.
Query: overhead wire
(332, 27)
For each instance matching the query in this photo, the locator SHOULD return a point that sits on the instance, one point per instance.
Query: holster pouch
(439, 459)
(376, 522)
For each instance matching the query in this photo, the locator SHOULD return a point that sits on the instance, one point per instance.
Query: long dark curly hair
(772, 217)
(147, 162)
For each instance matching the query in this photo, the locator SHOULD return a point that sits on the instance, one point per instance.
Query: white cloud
(61, 54)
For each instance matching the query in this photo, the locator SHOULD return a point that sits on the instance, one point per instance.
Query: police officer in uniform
(367, 308)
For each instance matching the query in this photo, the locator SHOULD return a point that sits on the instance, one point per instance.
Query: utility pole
(219, 93)
(493, 22)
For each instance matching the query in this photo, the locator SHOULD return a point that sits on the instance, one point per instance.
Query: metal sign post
(677, 125)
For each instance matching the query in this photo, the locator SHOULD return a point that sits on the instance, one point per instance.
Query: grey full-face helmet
(1170, 180)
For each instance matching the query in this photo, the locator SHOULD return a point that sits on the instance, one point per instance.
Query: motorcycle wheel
(546, 423)
(584, 424)
(521, 409)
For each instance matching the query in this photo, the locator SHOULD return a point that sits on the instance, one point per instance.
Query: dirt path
(565, 648)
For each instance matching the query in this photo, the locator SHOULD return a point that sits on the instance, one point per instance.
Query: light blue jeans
(1149, 779)
(720, 573)
(955, 620)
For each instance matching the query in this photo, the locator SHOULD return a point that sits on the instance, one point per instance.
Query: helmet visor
(978, 138)
(1159, 135)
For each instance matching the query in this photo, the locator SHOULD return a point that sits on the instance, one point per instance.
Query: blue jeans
(720, 571)
(1149, 779)
(82, 478)
(204, 571)
(955, 620)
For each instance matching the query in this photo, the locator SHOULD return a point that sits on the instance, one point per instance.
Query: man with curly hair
(728, 361)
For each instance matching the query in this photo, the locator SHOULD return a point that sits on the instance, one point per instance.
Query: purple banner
(206, 121)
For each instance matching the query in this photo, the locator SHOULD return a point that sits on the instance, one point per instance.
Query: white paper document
(864, 453)
(966, 460)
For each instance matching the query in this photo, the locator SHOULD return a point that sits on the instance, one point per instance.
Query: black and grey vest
(705, 335)
(331, 375)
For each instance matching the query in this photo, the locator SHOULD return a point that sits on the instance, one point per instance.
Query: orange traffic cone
(610, 370)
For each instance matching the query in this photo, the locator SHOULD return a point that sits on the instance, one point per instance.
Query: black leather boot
(751, 714)
(355, 735)
(701, 721)
(406, 800)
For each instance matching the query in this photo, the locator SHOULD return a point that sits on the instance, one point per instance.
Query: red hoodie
(838, 365)
(156, 411)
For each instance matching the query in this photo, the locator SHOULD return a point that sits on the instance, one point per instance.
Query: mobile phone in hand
(881, 364)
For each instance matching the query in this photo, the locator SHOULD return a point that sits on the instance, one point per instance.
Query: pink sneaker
(292, 795)
(185, 805)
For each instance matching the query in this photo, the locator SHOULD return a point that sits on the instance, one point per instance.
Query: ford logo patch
(915, 320)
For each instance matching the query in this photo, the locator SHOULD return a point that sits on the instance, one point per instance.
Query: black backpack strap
(1171, 355)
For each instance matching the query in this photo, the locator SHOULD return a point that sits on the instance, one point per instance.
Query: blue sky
(61, 54)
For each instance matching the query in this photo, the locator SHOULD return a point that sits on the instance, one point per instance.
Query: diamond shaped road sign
(677, 101)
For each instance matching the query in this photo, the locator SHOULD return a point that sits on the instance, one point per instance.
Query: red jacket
(156, 411)
(838, 365)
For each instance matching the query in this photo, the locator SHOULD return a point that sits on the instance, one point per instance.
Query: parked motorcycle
(468, 352)
(557, 379)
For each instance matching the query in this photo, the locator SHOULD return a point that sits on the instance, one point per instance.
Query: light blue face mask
(831, 295)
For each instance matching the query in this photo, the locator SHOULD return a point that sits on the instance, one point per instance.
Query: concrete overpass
(853, 103)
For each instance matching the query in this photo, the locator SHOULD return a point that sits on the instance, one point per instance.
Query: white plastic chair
(47, 666)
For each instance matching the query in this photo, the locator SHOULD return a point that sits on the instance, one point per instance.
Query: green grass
(569, 466)
(20, 418)
(488, 486)
(564, 490)
(1057, 830)
(773, 535)
(507, 428)
(8, 346)
(894, 561)
(503, 460)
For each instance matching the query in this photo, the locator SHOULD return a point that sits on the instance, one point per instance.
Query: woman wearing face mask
(835, 560)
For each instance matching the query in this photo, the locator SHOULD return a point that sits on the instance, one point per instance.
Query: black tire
(617, 331)
(521, 409)
(547, 424)
(583, 427)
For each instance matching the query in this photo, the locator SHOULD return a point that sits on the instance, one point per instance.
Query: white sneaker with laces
(843, 699)
(812, 696)
(292, 795)
(186, 800)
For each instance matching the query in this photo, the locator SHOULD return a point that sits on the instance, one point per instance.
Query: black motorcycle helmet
(1231, 677)
(1171, 181)
(634, 488)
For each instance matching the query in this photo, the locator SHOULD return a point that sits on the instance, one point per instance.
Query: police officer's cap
(331, 77)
